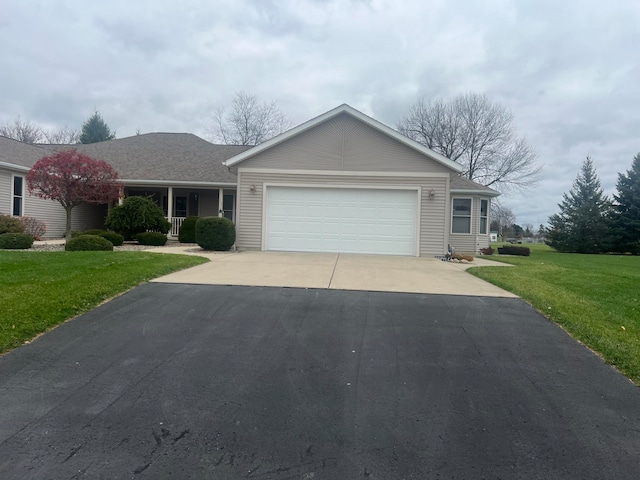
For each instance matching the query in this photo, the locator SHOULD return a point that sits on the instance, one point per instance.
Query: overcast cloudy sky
(567, 69)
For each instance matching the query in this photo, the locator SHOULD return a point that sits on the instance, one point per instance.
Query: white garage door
(345, 220)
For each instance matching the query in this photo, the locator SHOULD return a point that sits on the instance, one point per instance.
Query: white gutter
(14, 166)
(468, 191)
(133, 181)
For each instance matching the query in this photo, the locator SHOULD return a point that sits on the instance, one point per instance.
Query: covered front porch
(181, 201)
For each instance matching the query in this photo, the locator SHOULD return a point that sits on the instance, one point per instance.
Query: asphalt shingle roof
(164, 157)
(18, 153)
(151, 156)
(462, 183)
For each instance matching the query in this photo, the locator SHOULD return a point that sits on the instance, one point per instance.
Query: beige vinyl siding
(83, 217)
(344, 143)
(5, 192)
(432, 209)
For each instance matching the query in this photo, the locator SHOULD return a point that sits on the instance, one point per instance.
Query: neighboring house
(181, 171)
(341, 182)
(344, 182)
(16, 158)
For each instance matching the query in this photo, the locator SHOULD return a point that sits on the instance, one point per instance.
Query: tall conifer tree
(95, 130)
(582, 226)
(626, 220)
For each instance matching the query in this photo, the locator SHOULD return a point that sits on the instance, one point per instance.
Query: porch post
(220, 199)
(170, 202)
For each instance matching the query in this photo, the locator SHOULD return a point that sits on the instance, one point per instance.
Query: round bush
(10, 224)
(137, 215)
(88, 243)
(151, 238)
(215, 233)
(113, 237)
(188, 230)
(15, 241)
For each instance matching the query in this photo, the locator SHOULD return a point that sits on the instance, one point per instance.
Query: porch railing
(176, 223)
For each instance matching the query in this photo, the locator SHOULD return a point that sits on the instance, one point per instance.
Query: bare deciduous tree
(63, 135)
(26, 132)
(249, 122)
(501, 217)
(479, 135)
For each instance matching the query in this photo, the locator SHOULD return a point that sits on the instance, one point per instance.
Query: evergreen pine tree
(626, 219)
(582, 226)
(96, 130)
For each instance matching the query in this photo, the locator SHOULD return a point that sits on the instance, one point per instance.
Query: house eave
(176, 183)
(13, 166)
(469, 191)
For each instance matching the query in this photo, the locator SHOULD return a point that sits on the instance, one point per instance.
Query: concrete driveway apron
(336, 271)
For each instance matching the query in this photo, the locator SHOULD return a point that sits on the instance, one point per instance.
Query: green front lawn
(39, 290)
(596, 298)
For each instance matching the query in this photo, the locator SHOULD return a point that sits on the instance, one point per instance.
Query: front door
(228, 205)
(180, 206)
(193, 204)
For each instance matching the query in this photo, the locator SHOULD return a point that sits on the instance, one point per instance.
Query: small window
(484, 216)
(18, 196)
(461, 222)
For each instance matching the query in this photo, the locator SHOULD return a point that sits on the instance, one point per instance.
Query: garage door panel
(341, 220)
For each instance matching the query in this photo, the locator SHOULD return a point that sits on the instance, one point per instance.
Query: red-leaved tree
(72, 178)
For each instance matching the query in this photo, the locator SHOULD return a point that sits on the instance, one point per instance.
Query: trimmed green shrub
(215, 233)
(34, 227)
(511, 250)
(115, 238)
(151, 238)
(15, 241)
(77, 233)
(96, 231)
(10, 224)
(88, 243)
(137, 215)
(187, 232)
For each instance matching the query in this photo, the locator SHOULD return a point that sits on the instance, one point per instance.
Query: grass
(596, 298)
(40, 290)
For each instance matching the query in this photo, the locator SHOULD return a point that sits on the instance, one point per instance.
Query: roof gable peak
(349, 110)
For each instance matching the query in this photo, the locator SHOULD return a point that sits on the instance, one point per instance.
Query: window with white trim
(461, 215)
(17, 205)
(484, 217)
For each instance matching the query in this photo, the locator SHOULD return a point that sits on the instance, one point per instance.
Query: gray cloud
(568, 70)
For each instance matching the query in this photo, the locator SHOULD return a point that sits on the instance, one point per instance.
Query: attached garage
(345, 183)
(344, 220)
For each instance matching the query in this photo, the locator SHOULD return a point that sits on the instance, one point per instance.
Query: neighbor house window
(484, 216)
(461, 222)
(18, 196)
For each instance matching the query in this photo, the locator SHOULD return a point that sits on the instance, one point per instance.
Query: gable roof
(462, 185)
(344, 108)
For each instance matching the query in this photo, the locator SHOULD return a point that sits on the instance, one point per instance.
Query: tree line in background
(93, 130)
(591, 222)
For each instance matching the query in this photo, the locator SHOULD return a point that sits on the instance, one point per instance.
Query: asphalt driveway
(188, 381)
